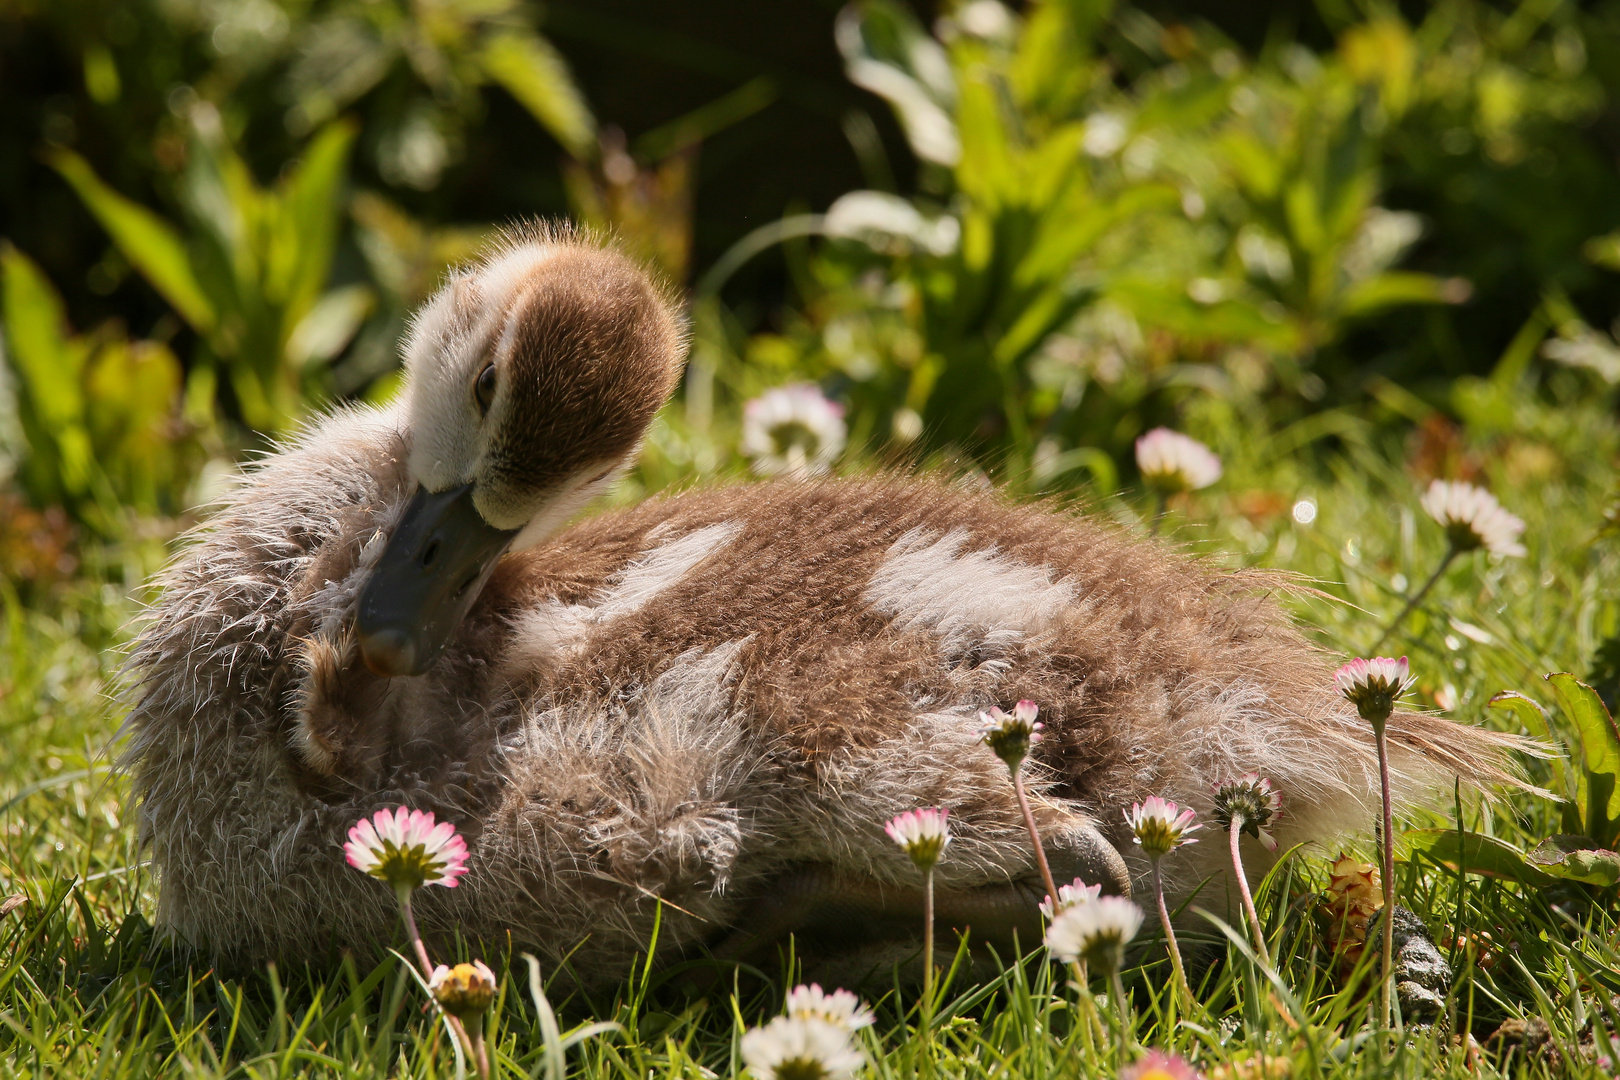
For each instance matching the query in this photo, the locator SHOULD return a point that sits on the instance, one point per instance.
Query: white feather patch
(541, 634)
(968, 599)
(658, 569)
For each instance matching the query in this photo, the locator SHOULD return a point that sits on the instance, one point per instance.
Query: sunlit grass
(84, 991)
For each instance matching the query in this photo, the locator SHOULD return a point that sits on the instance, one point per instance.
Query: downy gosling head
(531, 379)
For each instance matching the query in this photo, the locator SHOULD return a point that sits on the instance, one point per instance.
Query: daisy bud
(464, 990)
(1070, 895)
(793, 430)
(840, 1008)
(1158, 1065)
(1010, 735)
(924, 834)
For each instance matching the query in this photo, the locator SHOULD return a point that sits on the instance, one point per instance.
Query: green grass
(84, 991)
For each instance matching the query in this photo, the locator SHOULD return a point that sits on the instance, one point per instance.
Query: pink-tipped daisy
(1473, 518)
(1070, 895)
(407, 849)
(1172, 461)
(1374, 685)
(1010, 735)
(839, 1008)
(1161, 826)
(925, 834)
(1250, 797)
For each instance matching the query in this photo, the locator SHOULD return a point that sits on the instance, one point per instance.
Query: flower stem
(1243, 890)
(1170, 934)
(475, 1050)
(1092, 1024)
(1080, 989)
(1416, 599)
(1117, 988)
(1034, 836)
(480, 1052)
(928, 953)
(1160, 506)
(412, 933)
(1387, 972)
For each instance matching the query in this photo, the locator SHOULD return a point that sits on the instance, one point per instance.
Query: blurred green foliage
(249, 269)
(1109, 219)
(1086, 252)
(99, 413)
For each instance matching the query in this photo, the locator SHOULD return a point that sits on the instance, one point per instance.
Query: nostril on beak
(388, 653)
(430, 553)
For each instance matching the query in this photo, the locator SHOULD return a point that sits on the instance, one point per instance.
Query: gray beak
(432, 570)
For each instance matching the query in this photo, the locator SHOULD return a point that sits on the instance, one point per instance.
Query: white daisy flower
(840, 1008)
(925, 834)
(1374, 685)
(1160, 826)
(407, 849)
(1095, 932)
(793, 429)
(1069, 895)
(1473, 518)
(1172, 461)
(790, 1048)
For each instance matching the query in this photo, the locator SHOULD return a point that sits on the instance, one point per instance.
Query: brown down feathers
(687, 700)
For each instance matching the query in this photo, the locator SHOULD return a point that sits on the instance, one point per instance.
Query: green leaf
(1600, 755)
(986, 172)
(1603, 250)
(49, 362)
(704, 121)
(535, 73)
(1068, 231)
(330, 325)
(1534, 718)
(1045, 314)
(37, 339)
(300, 258)
(887, 52)
(1104, 473)
(151, 244)
(1395, 288)
(1475, 853)
(1575, 858)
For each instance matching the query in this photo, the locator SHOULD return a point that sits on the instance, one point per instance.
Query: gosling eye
(484, 388)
